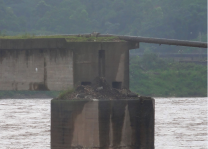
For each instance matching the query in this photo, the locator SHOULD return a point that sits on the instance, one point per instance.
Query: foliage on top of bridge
(69, 38)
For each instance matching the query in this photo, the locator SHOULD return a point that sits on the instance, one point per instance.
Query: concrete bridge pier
(102, 124)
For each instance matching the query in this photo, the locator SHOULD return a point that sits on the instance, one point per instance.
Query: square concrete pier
(102, 124)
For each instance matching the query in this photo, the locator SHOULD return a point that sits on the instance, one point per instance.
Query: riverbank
(155, 77)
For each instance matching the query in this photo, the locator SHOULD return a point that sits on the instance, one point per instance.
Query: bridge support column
(106, 124)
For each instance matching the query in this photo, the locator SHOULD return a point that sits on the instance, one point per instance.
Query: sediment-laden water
(180, 123)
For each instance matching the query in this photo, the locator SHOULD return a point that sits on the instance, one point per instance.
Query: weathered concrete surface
(123, 124)
(35, 64)
(104, 59)
(36, 69)
(54, 64)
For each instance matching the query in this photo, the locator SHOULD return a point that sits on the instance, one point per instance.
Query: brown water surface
(180, 123)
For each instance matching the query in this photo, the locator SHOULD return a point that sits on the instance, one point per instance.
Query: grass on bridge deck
(69, 38)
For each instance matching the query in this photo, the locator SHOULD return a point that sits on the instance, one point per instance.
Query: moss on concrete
(68, 38)
(92, 39)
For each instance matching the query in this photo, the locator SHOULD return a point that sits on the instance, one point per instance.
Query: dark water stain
(41, 51)
(134, 111)
(27, 56)
(15, 85)
(141, 112)
(58, 53)
(52, 54)
(30, 86)
(101, 63)
(104, 108)
(65, 113)
(142, 123)
(38, 86)
(149, 122)
(63, 53)
(2, 55)
(45, 73)
(16, 55)
(117, 119)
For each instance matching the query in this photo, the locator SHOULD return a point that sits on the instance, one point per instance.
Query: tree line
(178, 19)
(152, 76)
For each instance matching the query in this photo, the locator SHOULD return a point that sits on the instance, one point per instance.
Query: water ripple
(180, 123)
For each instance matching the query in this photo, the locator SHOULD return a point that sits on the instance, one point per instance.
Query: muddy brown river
(180, 123)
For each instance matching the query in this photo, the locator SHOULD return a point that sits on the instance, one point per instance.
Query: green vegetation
(23, 36)
(88, 39)
(64, 93)
(176, 19)
(155, 77)
(68, 38)
(181, 19)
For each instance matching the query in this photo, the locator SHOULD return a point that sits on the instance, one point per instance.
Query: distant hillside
(181, 19)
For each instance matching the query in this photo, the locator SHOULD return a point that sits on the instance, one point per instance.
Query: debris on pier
(99, 89)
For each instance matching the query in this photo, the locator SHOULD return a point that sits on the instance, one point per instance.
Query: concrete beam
(160, 41)
(138, 39)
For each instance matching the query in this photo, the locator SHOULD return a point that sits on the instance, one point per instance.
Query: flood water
(180, 123)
